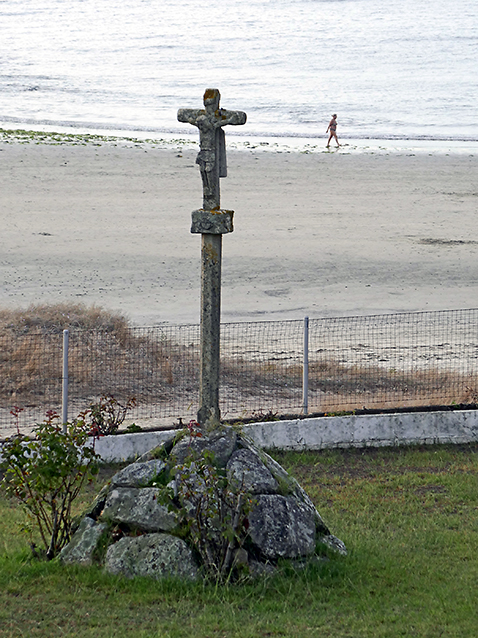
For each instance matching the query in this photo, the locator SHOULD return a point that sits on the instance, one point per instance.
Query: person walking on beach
(333, 130)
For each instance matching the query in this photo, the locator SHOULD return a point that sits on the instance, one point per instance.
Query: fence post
(305, 369)
(64, 394)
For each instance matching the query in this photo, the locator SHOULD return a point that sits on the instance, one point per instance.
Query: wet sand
(318, 234)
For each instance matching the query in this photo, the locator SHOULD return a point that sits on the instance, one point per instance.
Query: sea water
(390, 69)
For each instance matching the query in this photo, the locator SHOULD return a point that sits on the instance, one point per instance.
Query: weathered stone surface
(81, 548)
(283, 521)
(246, 471)
(160, 451)
(334, 544)
(303, 497)
(287, 483)
(216, 222)
(154, 555)
(258, 569)
(138, 508)
(282, 527)
(138, 474)
(221, 444)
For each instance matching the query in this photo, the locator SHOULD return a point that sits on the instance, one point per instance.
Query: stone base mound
(200, 505)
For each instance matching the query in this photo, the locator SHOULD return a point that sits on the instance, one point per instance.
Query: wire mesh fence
(375, 362)
(392, 361)
(261, 368)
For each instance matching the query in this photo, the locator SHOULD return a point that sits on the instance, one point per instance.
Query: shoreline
(237, 141)
(322, 234)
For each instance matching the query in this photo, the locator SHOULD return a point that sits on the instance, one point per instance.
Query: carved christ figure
(212, 143)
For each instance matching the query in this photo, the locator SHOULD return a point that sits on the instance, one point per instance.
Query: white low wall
(127, 447)
(365, 430)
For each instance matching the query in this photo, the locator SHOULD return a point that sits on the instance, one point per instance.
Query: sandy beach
(318, 234)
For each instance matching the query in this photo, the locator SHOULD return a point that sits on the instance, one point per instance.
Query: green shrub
(47, 473)
(105, 416)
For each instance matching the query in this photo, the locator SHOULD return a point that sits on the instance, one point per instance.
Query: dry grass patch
(106, 357)
(54, 318)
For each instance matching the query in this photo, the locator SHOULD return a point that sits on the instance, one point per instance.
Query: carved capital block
(212, 222)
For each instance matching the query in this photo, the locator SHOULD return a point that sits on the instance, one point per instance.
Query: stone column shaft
(211, 253)
(211, 225)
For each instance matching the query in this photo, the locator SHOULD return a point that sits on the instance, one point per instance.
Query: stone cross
(211, 222)
(212, 144)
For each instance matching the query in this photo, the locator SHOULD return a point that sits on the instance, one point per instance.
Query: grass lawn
(409, 517)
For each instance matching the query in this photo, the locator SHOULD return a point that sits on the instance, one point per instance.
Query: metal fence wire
(382, 361)
(393, 361)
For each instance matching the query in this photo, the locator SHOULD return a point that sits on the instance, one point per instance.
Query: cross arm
(230, 117)
(190, 116)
